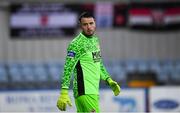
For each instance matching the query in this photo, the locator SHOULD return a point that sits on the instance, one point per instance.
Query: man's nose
(88, 26)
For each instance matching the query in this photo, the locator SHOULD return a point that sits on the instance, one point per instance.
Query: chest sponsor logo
(96, 56)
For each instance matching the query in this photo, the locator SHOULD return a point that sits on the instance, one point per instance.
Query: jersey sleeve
(103, 72)
(72, 57)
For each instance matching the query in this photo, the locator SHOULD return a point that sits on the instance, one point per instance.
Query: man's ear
(79, 24)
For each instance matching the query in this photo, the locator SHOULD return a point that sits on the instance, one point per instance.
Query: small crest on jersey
(71, 54)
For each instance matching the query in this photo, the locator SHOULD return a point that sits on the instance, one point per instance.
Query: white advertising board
(164, 99)
(29, 101)
(129, 100)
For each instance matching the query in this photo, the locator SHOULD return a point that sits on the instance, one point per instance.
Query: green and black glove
(63, 100)
(114, 86)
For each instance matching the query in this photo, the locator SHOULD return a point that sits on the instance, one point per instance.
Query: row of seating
(30, 75)
(167, 71)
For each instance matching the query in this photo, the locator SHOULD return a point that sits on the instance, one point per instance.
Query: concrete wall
(115, 43)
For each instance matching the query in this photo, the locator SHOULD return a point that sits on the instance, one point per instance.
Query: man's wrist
(64, 91)
(109, 80)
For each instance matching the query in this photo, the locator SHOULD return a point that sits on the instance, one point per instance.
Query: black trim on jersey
(80, 79)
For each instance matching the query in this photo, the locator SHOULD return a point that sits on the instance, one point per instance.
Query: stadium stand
(41, 75)
(142, 66)
(16, 77)
(118, 71)
(175, 76)
(55, 71)
(19, 75)
(3, 77)
(28, 74)
(130, 65)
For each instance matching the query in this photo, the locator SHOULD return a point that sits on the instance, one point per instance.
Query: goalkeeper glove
(114, 86)
(63, 100)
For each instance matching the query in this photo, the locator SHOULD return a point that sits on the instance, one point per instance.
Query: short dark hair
(85, 15)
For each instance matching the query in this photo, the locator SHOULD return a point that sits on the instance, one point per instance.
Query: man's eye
(84, 24)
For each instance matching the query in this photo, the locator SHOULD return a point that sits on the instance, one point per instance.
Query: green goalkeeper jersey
(84, 61)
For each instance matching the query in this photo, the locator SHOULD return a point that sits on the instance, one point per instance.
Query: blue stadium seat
(167, 68)
(108, 66)
(163, 69)
(116, 70)
(3, 77)
(177, 65)
(28, 72)
(142, 66)
(168, 65)
(3, 74)
(163, 76)
(119, 72)
(15, 72)
(40, 72)
(55, 70)
(154, 66)
(130, 65)
(176, 74)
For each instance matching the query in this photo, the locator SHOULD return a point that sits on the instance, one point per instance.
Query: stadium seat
(108, 66)
(3, 74)
(40, 72)
(41, 75)
(119, 72)
(116, 70)
(29, 76)
(163, 76)
(163, 70)
(177, 65)
(168, 65)
(55, 70)
(130, 65)
(16, 77)
(3, 77)
(15, 72)
(154, 66)
(28, 72)
(142, 66)
(175, 76)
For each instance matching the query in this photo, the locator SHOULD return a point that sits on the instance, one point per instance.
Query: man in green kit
(84, 61)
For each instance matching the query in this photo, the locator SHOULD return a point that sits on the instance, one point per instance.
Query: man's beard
(89, 34)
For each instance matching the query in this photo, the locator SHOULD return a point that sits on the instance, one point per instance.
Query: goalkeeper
(84, 61)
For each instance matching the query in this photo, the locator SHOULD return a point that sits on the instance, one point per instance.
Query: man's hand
(114, 86)
(63, 100)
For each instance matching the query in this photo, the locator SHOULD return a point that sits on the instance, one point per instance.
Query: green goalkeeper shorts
(87, 103)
